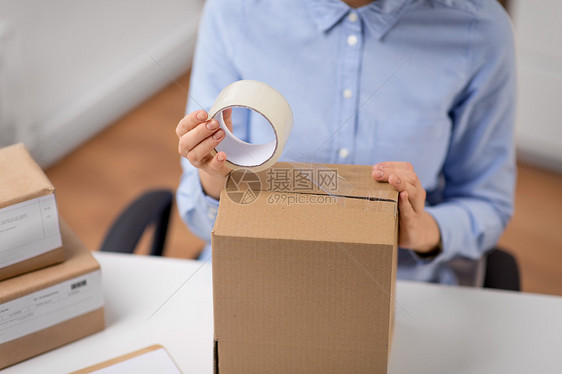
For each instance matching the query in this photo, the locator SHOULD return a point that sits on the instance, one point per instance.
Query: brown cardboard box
(29, 227)
(51, 307)
(304, 263)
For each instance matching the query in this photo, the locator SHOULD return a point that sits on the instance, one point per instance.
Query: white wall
(80, 64)
(538, 26)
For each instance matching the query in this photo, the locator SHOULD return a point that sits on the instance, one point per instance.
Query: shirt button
(351, 40)
(352, 17)
(347, 93)
(343, 153)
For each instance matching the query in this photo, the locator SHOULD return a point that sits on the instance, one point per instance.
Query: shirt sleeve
(213, 69)
(479, 171)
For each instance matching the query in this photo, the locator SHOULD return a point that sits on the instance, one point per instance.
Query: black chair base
(152, 207)
(502, 271)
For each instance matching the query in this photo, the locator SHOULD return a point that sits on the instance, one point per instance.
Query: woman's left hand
(418, 230)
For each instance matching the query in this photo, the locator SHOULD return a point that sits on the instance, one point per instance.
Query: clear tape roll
(268, 102)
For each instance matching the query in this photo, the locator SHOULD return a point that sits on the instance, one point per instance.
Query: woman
(422, 90)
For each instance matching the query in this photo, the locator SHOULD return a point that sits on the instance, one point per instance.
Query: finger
(198, 134)
(216, 164)
(400, 185)
(227, 118)
(403, 180)
(416, 195)
(201, 151)
(405, 206)
(394, 165)
(189, 122)
(382, 175)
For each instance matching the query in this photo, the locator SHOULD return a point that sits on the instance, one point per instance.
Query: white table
(453, 329)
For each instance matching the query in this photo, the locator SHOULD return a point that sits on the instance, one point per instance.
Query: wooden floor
(138, 152)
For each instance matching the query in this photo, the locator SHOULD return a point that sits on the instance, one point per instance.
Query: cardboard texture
(74, 325)
(303, 275)
(48, 258)
(29, 236)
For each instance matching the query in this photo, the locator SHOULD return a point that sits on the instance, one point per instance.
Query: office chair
(502, 271)
(497, 269)
(151, 208)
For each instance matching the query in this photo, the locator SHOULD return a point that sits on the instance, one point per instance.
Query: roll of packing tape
(265, 100)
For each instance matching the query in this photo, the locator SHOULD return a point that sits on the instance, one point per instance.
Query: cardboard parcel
(29, 226)
(50, 307)
(304, 263)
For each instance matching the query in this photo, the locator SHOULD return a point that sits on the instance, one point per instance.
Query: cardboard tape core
(267, 102)
(242, 153)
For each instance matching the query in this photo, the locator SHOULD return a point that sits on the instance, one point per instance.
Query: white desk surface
(453, 330)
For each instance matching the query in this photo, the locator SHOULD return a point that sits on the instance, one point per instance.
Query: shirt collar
(378, 17)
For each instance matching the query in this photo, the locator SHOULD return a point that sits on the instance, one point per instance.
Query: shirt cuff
(210, 204)
(448, 218)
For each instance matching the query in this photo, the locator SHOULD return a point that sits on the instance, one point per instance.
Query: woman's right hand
(197, 138)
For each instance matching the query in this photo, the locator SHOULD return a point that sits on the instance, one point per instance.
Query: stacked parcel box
(50, 285)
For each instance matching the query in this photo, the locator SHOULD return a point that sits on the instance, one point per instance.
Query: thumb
(227, 117)
(217, 164)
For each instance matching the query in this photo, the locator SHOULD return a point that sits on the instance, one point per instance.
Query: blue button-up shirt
(425, 81)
